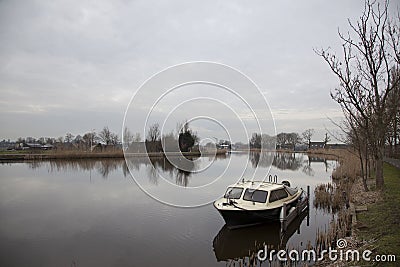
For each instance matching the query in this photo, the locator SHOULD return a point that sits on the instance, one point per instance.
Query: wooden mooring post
(287, 216)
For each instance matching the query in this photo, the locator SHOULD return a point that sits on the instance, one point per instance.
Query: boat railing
(273, 179)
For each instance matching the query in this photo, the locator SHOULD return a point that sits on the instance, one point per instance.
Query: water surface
(92, 212)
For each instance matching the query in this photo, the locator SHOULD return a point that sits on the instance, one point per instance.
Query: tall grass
(348, 163)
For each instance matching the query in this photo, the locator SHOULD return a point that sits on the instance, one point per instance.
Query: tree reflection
(182, 177)
(287, 161)
(181, 168)
(103, 166)
(261, 159)
(307, 169)
(282, 161)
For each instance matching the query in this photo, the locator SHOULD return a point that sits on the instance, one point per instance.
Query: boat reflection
(246, 242)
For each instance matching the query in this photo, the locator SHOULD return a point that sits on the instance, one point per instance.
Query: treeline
(183, 140)
(284, 140)
(71, 141)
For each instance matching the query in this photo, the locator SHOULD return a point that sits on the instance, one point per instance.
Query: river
(93, 213)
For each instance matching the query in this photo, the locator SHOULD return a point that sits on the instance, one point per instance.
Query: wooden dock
(287, 216)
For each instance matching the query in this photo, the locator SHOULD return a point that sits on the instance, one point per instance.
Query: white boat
(255, 202)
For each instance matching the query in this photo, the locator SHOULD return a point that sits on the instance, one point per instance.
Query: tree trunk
(363, 172)
(379, 168)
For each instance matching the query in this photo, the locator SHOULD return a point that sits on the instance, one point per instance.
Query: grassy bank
(382, 220)
(378, 228)
(45, 155)
(76, 154)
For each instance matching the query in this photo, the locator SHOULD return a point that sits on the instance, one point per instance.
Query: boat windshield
(233, 192)
(278, 195)
(255, 195)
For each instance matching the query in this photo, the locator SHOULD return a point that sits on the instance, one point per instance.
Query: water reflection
(54, 216)
(103, 166)
(155, 167)
(181, 170)
(244, 243)
(287, 161)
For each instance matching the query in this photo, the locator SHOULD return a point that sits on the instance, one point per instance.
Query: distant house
(35, 146)
(316, 145)
(224, 144)
(7, 145)
(32, 146)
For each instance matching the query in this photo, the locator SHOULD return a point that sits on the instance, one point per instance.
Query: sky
(73, 66)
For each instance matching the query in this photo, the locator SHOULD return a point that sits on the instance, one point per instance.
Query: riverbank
(377, 213)
(71, 154)
(380, 224)
(46, 155)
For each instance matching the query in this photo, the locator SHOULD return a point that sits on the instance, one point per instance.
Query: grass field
(382, 220)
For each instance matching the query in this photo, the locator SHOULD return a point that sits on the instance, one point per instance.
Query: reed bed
(339, 227)
(326, 198)
(333, 197)
(348, 166)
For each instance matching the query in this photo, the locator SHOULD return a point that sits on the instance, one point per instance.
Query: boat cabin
(259, 192)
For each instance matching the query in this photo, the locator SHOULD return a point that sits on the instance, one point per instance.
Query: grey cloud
(59, 60)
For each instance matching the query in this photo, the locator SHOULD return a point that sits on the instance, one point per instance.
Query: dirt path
(394, 162)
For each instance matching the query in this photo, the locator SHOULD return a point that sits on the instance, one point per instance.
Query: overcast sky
(72, 66)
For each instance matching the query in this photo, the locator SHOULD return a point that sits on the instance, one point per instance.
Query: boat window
(255, 195)
(233, 192)
(292, 191)
(278, 195)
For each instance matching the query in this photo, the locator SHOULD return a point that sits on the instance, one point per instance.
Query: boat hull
(243, 218)
(239, 217)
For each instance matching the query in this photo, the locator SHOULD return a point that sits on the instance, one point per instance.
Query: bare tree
(281, 139)
(307, 135)
(128, 137)
(365, 76)
(255, 141)
(89, 139)
(393, 135)
(60, 139)
(268, 142)
(293, 139)
(153, 134)
(114, 139)
(137, 137)
(105, 135)
(69, 137)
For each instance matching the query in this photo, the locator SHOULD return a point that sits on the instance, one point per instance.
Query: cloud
(59, 60)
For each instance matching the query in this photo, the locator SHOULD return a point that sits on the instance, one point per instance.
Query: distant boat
(255, 202)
